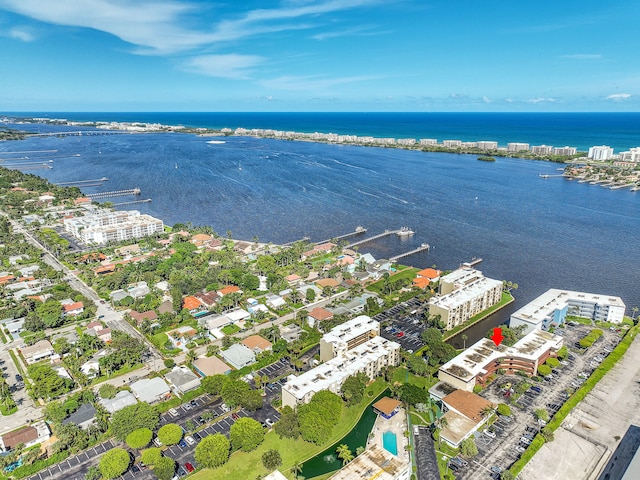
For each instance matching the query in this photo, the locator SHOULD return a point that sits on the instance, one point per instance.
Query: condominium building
(487, 145)
(347, 336)
(600, 152)
(632, 155)
(541, 149)
(564, 150)
(483, 359)
(368, 358)
(517, 147)
(464, 293)
(551, 308)
(428, 141)
(451, 143)
(104, 226)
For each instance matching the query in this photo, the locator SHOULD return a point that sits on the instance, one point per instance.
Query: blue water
(538, 233)
(581, 130)
(390, 443)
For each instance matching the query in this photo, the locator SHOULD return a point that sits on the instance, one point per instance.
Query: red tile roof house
(292, 279)
(104, 335)
(192, 304)
(179, 337)
(317, 316)
(73, 309)
(208, 299)
(229, 290)
(257, 343)
(95, 326)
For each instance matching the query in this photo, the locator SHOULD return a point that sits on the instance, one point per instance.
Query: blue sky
(319, 55)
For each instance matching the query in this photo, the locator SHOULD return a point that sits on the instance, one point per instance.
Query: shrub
(107, 391)
(150, 456)
(271, 459)
(544, 370)
(552, 362)
(169, 363)
(504, 409)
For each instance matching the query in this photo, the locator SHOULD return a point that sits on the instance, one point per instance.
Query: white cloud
(486, 99)
(351, 32)
(313, 82)
(225, 66)
(618, 97)
(540, 100)
(583, 56)
(21, 34)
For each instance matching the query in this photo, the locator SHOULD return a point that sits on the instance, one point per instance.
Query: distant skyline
(313, 55)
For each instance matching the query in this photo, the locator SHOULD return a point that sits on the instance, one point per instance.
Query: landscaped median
(249, 465)
(577, 397)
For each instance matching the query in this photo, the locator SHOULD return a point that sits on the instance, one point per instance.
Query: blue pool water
(390, 443)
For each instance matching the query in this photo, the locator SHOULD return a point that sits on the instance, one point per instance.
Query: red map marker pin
(497, 336)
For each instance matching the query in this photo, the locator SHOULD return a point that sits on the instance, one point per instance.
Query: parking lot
(276, 370)
(425, 454)
(75, 467)
(403, 324)
(501, 444)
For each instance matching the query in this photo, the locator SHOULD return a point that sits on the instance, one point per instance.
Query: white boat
(176, 165)
(405, 232)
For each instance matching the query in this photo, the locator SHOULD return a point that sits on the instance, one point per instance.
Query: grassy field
(249, 465)
(408, 273)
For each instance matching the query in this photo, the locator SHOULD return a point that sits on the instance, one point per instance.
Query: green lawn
(249, 465)
(230, 329)
(408, 273)
(5, 412)
(400, 375)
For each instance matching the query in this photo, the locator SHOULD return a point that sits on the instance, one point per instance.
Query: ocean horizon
(620, 130)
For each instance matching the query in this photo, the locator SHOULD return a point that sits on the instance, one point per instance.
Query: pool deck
(396, 424)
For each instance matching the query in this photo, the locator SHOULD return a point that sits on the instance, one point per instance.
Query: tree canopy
(164, 468)
(170, 434)
(271, 459)
(246, 434)
(287, 426)
(133, 417)
(150, 456)
(114, 463)
(353, 388)
(213, 451)
(139, 438)
(318, 417)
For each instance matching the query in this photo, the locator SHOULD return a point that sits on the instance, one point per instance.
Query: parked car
(190, 468)
(269, 422)
(190, 440)
(235, 416)
(173, 412)
(182, 443)
(489, 434)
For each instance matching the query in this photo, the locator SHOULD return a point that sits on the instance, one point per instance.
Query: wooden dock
(116, 193)
(358, 231)
(121, 204)
(386, 233)
(82, 183)
(421, 248)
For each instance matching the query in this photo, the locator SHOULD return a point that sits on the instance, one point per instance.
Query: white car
(173, 412)
(190, 440)
(269, 422)
(489, 434)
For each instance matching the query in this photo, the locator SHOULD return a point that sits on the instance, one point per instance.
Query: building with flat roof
(483, 359)
(275, 475)
(84, 417)
(151, 390)
(600, 152)
(464, 293)
(368, 358)
(517, 147)
(541, 149)
(374, 462)
(552, 307)
(564, 150)
(103, 226)
(347, 336)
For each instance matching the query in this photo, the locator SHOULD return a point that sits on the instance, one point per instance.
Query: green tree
(139, 438)
(542, 414)
(353, 388)
(344, 453)
(108, 391)
(311, 295)
(504, 409)
(114, 463)
(563, 352)
(271, 459)
(164, 468)
(214, 384)
(552, 362)
(133, 417)
(150, 456)
(318, 417)
(170, 434)
(234, 391)
(93, 473)
(287, 426)
(547, 434)
(468, 447)
(213, 451)
(246, 434)
(544, 370)
(507, 475)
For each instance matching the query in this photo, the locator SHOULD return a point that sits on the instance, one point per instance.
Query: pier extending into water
(358, 231)
(386, 233)
(422, 248)
(82, 183)
(121, 204)
(116, 193)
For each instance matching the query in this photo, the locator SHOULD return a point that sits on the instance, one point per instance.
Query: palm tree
(297, 470)
(191, 356)
(344, 453)
(486, 411)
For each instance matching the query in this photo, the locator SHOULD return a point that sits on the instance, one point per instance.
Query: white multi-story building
(428, 141)
(487, 145)
(564, 150)
(551, 308)
(600, 152)
(517, 147)
(541, 149)
(103, 226)
(464, 293)
(347, 336)
(632, 155)
(451, 143)
(368, 358)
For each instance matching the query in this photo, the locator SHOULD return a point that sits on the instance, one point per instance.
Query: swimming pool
(390, 443)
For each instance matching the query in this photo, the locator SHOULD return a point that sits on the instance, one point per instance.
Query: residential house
(200, 239)
(293, 279)
(358, 305)
(257, 308)
(432, 274)
(73, 309)
(290, 333)
(84, 417)
(327, 282)
(237, 315)
(151, 390)
(38, 351)
(28, 436)
(182, 380)
(228, 290)
(274, 301)
(466, 413)
(129, 250)
(91, 368)
(192, 304)
(317, 316)
(256, 343)
(121, 400)
(180, 336)
(149, 315)
(208, 299)
(166, 307)
(104, 335)
(95, 325)
(163, 286)
(13, 326)
(209, 366)
(238, 356)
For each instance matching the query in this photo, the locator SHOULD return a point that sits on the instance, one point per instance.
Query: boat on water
(216, 142)
(176, 165)
(405, 232)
